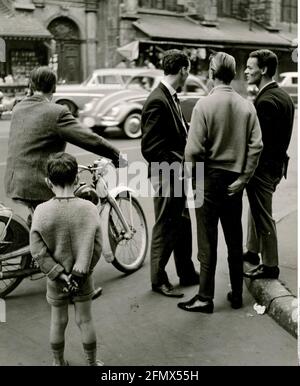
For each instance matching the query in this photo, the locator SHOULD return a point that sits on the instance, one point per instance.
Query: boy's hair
(42, 79)
(62, 169)
(266, 58)
(223, 66)
(173, 61)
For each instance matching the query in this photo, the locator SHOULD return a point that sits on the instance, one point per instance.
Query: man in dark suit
(275, 112)
(164, 137)
(39, 129)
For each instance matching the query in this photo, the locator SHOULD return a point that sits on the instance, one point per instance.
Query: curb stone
(280, 303)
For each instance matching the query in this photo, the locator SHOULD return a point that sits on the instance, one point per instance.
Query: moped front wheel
(14, 236)
(129, 252)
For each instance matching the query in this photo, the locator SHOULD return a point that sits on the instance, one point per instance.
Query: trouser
(262, 234)
(218, 205)
(172, 232)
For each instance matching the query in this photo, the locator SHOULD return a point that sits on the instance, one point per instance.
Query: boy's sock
(58, 353)
(90, 351)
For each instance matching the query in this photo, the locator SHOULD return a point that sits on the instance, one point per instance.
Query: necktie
(179, 110)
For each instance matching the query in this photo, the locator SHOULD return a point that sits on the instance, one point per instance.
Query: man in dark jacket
(39, 129)
(275, 112)
(164, 137)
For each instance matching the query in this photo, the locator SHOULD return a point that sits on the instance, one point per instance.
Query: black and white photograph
(148, 186)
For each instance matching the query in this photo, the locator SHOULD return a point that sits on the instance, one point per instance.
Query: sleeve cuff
(55, 272)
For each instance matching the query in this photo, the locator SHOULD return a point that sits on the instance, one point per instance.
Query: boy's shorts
(56, 297)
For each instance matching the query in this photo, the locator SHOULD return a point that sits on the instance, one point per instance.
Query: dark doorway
(67, 38)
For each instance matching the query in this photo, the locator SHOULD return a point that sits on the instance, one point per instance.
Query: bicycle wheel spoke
(129, 253)
(15, 236)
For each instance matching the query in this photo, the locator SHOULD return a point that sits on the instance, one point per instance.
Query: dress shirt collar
(266, 85)
(171, 89)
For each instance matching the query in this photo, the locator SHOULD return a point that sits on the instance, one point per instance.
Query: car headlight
(113, 112)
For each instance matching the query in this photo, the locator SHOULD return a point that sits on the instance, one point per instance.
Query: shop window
(289, 11)
(22, 62)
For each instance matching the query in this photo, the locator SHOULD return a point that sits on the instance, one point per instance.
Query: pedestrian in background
(38, 129)
(225, 135)
(164, 138)
(67, 248)
(275, 112)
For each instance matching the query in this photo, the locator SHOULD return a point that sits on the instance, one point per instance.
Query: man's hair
(266, 58)
(223, 66)
(42, 79)
(62, 169)
(173, 61)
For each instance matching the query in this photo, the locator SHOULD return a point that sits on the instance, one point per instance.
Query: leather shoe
(193, 280)
(263, 272)
(197, 305)
(251, 257)
(97, 292)
(236, 301)
(167, 290)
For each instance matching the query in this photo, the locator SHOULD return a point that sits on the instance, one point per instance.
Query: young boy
(65, 240)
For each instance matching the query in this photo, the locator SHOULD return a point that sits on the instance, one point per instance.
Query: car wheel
(70, 105)
(132, 125)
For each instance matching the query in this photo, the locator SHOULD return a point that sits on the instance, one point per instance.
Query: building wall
(108, 23)
(268, 12)
(109, 35)
(49, 10)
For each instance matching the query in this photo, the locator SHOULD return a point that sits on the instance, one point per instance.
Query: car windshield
(147, 82)
(141, 83)
(87, 81)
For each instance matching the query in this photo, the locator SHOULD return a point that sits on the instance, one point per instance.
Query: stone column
(272, 13)
(211, 10)
(91, 9)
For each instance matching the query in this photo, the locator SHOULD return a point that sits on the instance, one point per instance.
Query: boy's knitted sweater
(66, 236)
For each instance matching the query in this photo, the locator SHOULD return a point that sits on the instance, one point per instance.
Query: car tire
(132, 125)
(70, 105)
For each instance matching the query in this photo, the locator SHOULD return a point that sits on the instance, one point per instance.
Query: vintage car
(289, 82)
(99, 83)
(123, 108)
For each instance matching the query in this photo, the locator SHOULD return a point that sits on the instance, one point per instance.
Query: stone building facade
(86, 34)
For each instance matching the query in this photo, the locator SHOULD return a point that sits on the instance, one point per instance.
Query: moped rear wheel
(15, 236)
(129, 254)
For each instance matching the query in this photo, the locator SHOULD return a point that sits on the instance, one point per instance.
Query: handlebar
(99, 164)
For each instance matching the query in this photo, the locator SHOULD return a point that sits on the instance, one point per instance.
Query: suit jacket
(275, 111)
(38, 129)
(163, 133)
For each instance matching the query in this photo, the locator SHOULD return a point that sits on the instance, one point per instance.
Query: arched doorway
(67, 38)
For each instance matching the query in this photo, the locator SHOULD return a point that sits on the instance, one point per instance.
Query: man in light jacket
(225, 135)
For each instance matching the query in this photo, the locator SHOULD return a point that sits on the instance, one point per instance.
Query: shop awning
(130, 51)
(22, 27)
(229, 32)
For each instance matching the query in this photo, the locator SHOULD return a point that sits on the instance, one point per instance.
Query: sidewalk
(280, 297)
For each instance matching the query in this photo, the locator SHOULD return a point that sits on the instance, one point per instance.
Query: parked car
(98, 84)
(289, 82)
(123, 108)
